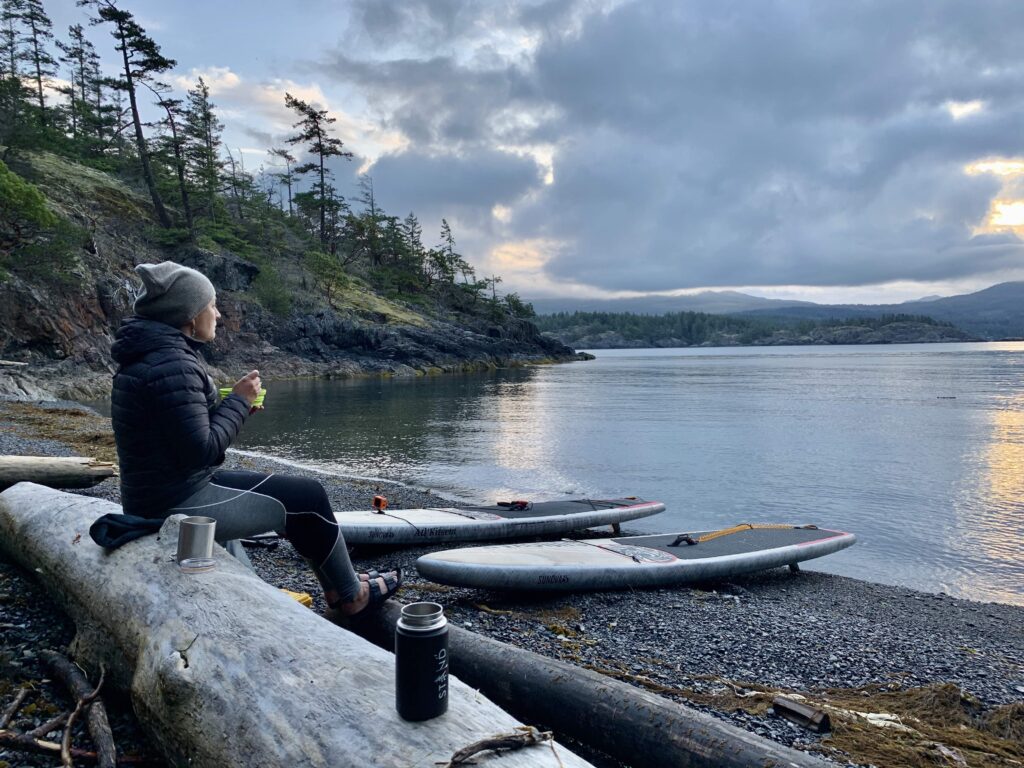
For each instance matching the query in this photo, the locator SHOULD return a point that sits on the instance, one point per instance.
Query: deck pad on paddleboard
(632, 561)
(451, 524)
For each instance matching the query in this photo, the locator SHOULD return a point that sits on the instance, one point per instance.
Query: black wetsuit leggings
(247, 503)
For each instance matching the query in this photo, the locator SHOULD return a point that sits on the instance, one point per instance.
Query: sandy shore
(952, 669)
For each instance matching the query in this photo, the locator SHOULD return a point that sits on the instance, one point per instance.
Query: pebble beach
(726, 648)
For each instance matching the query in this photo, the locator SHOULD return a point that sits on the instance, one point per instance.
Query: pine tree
(372, 221)
(80, 56)
(313, 128)
(203, 144)
(174, 145)
(10, 13)
(142, 61)
(287, 177)
(12, 90)
(38, 32)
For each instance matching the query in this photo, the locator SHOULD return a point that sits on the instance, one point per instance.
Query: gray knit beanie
(172, 294)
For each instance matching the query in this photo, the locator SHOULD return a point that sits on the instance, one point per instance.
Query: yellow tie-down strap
(743, 527)
(300, 597)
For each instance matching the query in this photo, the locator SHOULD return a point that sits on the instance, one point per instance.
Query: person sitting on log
(172, 435)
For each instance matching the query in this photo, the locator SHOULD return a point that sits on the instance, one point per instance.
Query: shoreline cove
(706, 645)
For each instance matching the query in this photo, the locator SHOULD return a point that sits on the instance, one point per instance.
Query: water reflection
(992, 519)
(398, 429)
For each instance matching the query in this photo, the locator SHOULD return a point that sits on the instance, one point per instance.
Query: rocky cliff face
(60, 324)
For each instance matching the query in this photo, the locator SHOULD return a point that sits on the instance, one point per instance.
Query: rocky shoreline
(724, 648)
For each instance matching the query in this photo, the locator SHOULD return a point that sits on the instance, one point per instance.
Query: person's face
(204, 325)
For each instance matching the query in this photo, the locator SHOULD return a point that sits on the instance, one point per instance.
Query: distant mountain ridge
(996, 312)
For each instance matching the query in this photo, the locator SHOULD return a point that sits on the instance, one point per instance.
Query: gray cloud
(265, 138)
(708, 144)
(436, 186)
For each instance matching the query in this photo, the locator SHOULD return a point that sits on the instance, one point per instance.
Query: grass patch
(67, 181)
(361, 298)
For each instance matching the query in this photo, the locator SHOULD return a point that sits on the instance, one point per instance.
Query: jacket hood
(138, 336)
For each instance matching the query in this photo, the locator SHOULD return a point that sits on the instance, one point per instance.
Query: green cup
(257, 403)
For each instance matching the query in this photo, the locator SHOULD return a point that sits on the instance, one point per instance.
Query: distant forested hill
(606, 330)
(993, 313)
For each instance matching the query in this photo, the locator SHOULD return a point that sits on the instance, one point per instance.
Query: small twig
(84, 701)
(73, 677)
(12, 710)
(24, 743)
(49, 726)
(487, 609)
(524, 736)
(551, 743)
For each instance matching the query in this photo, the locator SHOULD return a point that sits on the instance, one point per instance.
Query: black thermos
(421, 662)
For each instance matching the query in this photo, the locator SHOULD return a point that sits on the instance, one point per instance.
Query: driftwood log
(224, 669)
(640, 728)
(55, 472)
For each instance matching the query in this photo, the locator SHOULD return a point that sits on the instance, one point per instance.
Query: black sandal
(377, 597)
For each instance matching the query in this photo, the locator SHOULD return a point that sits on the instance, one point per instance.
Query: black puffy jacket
(170, 432)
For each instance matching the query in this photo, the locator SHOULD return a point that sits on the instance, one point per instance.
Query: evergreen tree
(203, 145)
(241, 184)
(10, 13)
(371, 222)
(174, 146)
(287, 177)
(142, 61)
(38, 32)
(80, 56)
(12, 89)
(313, 125)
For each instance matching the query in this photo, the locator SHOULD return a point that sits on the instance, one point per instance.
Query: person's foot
(374, 590)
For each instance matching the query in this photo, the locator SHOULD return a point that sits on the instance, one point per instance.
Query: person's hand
(248, 387)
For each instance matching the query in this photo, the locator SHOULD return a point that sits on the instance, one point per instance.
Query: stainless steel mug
(195, 544)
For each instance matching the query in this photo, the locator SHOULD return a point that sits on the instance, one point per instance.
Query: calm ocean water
(918, 449)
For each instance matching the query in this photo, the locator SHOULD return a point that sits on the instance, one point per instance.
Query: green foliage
(22, 206)
(217, 235)
(519, 308)
(51, 258)
(329, 276)
(271, 292)
(167, 238)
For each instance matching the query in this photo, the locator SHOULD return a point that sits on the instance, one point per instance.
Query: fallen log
(640, 728)
(222, 668)
(55, 472)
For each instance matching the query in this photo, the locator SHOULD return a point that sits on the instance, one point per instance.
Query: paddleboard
(632, 561)
(450, 524)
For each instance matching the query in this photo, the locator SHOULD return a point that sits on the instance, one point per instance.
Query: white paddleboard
(633, 561)
(450, 524)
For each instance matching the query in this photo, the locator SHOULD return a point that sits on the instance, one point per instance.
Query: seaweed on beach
(894, 726)
(933, 725)
(87, 433)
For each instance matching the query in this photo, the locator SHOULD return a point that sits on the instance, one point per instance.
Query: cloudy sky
(816, 149)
